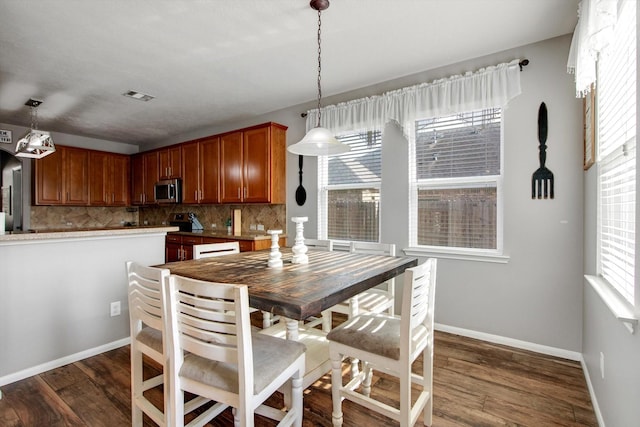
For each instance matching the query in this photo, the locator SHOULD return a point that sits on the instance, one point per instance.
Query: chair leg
(405, 397)
(336, 385)
(296, 395)
(326, 321)
(427, 376)
(355, 369)
(136, 386)
(366, 382)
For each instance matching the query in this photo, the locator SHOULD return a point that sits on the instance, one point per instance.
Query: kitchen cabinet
(62, 178)
(253, 165)
(170, 162)
(200, 171)
(179, 247)
(144, 175)
(108, 179)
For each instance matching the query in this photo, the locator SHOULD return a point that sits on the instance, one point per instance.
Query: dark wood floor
(475, 384)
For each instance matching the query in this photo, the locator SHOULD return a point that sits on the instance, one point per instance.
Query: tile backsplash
(57, 217)
(214, 217)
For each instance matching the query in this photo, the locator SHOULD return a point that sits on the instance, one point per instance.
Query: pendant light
(36, 143)
(319, 141)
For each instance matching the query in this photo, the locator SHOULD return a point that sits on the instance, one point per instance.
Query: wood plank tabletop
(296, 291)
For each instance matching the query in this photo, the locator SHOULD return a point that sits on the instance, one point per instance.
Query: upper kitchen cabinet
(252, 165)
(170, 162)
(109, 179)
(62, 178)
(144, 175)
(201, 171)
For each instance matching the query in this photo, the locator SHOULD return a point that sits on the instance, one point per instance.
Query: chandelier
(319, 141)
(36, 143)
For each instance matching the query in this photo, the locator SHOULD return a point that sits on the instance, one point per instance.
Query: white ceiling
(208, 62)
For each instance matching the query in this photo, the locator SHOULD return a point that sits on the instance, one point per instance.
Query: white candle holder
(275, 257)
(299, 249)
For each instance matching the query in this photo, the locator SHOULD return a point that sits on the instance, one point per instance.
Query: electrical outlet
(252, 227)
(115, 308)
(260, 227)
(602, 365)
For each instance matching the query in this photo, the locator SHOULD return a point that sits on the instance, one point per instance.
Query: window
(456, 180)
(349, 204)
(616, 126)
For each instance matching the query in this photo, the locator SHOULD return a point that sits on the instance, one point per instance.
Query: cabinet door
(170, 163)
(151, 175)
(172, 252)
(256, 170)
(137, 179)
(119, 180)
(210, 170)
(191, 172)
(98, 175)
(231, 187)
(48, 179)
(76, 173)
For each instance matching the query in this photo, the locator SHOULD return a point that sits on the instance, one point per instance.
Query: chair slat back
(320, 244)
(215, 249)
(210, 320)
(145, 295)
(371, 248)
(419, 294)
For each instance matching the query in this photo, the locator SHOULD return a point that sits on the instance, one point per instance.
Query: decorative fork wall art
(542, 179)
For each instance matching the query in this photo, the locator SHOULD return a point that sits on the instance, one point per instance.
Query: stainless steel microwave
(168, 191)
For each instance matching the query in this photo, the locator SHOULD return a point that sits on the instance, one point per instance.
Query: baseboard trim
(35, 370)
(594, 401)
(511, 342)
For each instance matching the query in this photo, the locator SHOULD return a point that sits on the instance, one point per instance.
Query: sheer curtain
(486, 88)
(596, 20)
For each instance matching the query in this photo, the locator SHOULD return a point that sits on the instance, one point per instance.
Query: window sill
(621, 309)
(457, 255)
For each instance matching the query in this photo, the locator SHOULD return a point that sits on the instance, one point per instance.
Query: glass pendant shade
(36, 144)
(318, 142)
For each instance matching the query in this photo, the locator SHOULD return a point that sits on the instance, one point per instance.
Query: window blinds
(616, 115)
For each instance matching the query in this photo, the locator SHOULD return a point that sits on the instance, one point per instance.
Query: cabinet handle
(238, 192)
(245, 192)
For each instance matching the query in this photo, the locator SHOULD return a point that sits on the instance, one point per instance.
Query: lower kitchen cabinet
(179, 247)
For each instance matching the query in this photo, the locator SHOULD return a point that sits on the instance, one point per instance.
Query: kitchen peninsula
(59, 290)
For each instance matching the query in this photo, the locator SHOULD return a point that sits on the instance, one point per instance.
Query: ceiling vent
(138, 95)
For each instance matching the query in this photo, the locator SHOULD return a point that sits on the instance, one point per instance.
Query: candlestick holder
(275, 257)
(299, 249)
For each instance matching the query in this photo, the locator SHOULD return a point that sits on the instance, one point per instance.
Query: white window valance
(486, 88)
(594, 30)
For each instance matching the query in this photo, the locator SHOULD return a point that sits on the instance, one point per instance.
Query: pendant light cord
(319, 68)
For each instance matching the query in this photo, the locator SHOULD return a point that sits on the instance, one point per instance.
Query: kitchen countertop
(221, 235)
(72, 233)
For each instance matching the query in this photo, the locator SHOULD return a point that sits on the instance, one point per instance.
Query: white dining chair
(209, 250)
(206, 250)
(375, 300)
(390, 344)
(213, 353)
(147, 338)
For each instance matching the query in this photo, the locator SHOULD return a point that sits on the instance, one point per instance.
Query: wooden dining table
(297, 292)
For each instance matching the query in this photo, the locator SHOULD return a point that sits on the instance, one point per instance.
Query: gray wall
(537, 296)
